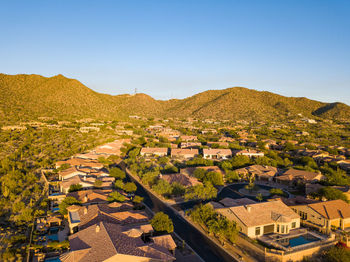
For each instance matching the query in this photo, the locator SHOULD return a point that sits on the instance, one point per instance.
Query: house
(44, 223)
(106, 241)
(325, 215)
(190, 170)
(184, 153)
(294, 177)
(90, 156)
(91, 196)
(188, 138)
(69, 173)
(154, 151)
(344, 189)
(249, 153)
(87, 129)
(262, 218)
(165, 241)
(226, 139)
(190, 145)
(80, 217)
(217, 144)
(209, 131)
(86, 182)
(265, 173)
(230, 202)
(182, 179)
(344, 164)
(80, 163)
(217, 153)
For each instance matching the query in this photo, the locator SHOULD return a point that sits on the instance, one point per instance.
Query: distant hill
(31, 96)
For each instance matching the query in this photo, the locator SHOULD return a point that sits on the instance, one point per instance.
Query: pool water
(53, 259)
(55, 209)
(297, 241)
(52, 237)
(53, 230)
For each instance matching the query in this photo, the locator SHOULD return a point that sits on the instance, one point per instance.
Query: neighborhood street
(200, 243)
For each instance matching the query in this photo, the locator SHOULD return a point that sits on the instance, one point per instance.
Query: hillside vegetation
(29, 96)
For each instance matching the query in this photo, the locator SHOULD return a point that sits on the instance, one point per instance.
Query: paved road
(203, 246)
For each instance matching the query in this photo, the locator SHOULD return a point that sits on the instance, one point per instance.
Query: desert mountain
(29, 96)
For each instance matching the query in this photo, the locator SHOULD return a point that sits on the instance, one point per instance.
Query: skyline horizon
(174, 49)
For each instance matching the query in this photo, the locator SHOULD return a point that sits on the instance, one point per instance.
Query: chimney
(249, 208)
(85, 198)
(84, 178)
(85, 210)
(97, 228)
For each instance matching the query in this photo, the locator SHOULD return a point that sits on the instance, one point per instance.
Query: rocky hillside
(30, 96)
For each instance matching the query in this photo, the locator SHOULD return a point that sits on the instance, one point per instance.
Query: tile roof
(70, 171)
(154, 150)
(229, 202)
(182, 179)
(332, 209)
(165, 241)
(259, 213)
(184, 151)
(91, 196)
(218, 151)
(259, 170)
(123, 215)
(80, 162)
(293, 174)
(105, 240)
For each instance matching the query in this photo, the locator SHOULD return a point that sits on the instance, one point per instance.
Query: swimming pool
(52, 237)
(53, 230)
(297, 241)
(53, 259)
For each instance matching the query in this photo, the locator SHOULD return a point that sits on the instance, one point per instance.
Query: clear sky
(174, 48)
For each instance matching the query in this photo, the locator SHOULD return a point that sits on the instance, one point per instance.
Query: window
(282, 229)
(294, 224)
(278, 228)
(257, 231)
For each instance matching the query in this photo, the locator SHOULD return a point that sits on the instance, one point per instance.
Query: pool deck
(272, 239)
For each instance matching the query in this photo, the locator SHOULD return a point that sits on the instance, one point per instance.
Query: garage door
(269, 229)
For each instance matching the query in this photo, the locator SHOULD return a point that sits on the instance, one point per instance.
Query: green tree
(205, 191)
(240, 161)
(215, 178)
(177, 189)
(259, 197)
(149, 178)
(117, 173)
(68, 201)
(199, 173)
(277, 191)
(161, 222)
(116, 197)
(137, 199)
(337, 254)
(134, 152)
(75, 187)
(162, 187)
(130, 187)
(119, 184)
(231, 176)
(98, 183)
(331, 193)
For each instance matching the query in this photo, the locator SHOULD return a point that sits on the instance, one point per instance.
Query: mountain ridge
(24, 96)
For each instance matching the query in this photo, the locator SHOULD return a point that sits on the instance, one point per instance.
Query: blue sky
(174, 48)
